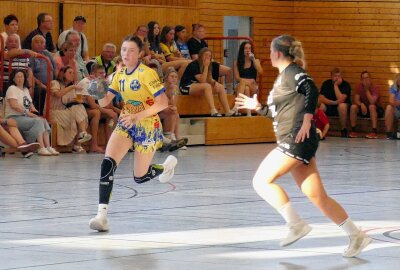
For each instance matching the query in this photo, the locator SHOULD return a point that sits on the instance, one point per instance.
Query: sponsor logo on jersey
(135, 85)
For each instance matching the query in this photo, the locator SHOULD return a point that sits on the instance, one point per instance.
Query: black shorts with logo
(303, 151)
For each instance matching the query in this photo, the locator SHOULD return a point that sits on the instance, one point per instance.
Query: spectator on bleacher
(393, 109)
(96, 85)
(11, 27)
(19, 106)
(142, 33)
(172, 54)
(74, 38)
(197, 80)
(10, 135)
(335, 97)
(19, 61)
(105, 59)
(170, 115)
(66, 57)
(78, 25)
(39, 69)
(154, 42)
(196, 43)
(366, 104)
(45, 25)
(246, 69)
(67, 110)
(180, 40)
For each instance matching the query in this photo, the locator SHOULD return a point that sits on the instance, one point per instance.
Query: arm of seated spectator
(393, 101)
(17, 52)
(371, 97)
(357, 100)
(327, 101)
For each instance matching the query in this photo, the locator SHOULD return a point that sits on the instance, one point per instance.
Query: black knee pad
(108, 167)
(153, 171)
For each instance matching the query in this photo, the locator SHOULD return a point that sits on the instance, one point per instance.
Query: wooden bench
(197, 105)
(363, 127)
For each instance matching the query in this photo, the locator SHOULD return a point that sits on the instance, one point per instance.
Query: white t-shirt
(23, 99)
(63, 35)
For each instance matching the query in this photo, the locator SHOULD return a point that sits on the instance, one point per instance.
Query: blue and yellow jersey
(138, 89)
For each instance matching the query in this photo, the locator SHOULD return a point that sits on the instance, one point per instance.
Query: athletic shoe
(372, 135)
(169, 169)
(44, 152)
(216, 115)
(353, 135)
(27, 154)
(357, 244)
(296, 232)
(84, 137)
(31, 147)
(175, 145)
(231, 113)
(99, 223)
(53, 151)
(78, 149)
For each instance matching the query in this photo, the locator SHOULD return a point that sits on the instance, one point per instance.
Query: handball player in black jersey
(291, 104)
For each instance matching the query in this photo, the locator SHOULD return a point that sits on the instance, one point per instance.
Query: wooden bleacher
(221, 130)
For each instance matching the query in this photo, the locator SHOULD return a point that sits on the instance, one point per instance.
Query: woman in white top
(19, 106)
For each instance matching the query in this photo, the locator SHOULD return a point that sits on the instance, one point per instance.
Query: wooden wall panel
(270, 18)
(27, 11)
(355, 36)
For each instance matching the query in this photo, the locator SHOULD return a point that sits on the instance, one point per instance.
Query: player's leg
(308, 179)
(273, 166)
(117, 147)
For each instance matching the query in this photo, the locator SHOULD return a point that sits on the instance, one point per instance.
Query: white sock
(288, 213)
(349, 227)
(102, 210)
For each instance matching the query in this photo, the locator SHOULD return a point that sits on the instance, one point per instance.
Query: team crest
(135, 85)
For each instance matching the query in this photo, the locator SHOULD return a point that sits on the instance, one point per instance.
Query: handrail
(232, 38)
(2, 52)
(47, 101)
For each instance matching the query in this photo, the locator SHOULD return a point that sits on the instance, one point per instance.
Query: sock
(288, 213)
(349, 227)
(102, 210)
(213, 111)
(108, 167)
(153, 171)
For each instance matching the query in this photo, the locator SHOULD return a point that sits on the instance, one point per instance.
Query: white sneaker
(169, 168)
(99, 223)
(84, 137)
(296, 232)
(53, 151)
(357, 244)
(44, 152)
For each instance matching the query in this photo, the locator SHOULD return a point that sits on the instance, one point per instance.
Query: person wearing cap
(45, 25)
(78, 25)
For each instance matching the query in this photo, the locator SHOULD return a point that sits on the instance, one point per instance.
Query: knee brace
(108, 167)
(153, 171)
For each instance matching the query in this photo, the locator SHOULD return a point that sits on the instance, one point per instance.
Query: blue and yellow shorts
(146, 135)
